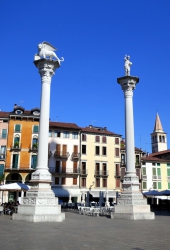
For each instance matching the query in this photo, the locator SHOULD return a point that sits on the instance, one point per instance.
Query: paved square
(84, 232)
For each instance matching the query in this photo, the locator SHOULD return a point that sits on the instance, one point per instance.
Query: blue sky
(93, 37)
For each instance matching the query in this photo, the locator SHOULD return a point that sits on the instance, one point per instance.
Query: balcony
(118, 174)
(156, 177)
(75, 156)
(33, 148)
(16, 147)
(64, 172)
(61, 155)
(2, 156)
(103, 173)
(83, 172)
(16, 167)
(144, 177)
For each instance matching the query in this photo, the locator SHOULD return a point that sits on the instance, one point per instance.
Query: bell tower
(158, 137)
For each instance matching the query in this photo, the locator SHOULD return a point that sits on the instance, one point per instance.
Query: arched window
(163, 138)
(35, 142)
(16, 141)
(160, 138)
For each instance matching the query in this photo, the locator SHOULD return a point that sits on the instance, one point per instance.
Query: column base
(39, 205)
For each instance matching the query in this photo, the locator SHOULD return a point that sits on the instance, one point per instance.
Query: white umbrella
(14, 187)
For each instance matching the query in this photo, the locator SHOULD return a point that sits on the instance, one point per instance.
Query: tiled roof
(4, 114)
(136, 149)
(98, 131)
(64, 125)
(154, 159)
(161, 152)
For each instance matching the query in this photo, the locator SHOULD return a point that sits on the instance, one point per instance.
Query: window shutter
(159, 171)
(168, 172)
(35, 129)
(1, 169)
(159, 185)
(168, 185)
(4, 133)
(17, 128)
(144, 171)
(153, 171)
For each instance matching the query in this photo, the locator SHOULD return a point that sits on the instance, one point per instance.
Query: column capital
(128, 83)
(46, 67)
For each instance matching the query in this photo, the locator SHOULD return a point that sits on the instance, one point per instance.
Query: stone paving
(86, 232)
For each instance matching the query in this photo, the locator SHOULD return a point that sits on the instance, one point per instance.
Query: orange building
(21, 152)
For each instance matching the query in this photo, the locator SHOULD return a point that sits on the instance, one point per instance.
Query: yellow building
(100, 155)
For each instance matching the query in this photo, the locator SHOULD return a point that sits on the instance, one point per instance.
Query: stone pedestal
(131, 204)
(40, 203)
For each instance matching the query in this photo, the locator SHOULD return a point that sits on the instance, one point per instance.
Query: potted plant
(35, 145)
(16, 144)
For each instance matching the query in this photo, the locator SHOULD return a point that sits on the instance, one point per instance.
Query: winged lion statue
(45, 50)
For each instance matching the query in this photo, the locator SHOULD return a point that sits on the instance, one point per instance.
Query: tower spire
(158, 126)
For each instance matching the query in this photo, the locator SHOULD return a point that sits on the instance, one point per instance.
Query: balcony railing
(144, 177)
(75, 156)
(83, 172)
(18, 167)
(61, 154)
(33, 148)
(16, 147)
(117, 174)
(156, 177)
(101, 172)
(2, 156)
(67, 171)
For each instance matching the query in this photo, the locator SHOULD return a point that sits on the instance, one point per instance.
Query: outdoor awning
(111, 194)
(95, 194)
(63, 192)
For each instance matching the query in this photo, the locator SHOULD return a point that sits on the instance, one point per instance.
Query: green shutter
(168, 185)
(153, 171)
(154, 185)
(158, 164)
(159, 185)
(144, 185)
(1, 169)
(158, 171)
(4, 133)
(17, 127)
(144, 171)
(35, 129)
(168, 172)
(34, 161)
(15, 161)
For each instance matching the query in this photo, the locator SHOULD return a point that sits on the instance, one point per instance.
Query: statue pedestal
(131, 204)
(40, 204)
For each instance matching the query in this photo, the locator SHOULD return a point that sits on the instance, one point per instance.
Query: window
(158, 171)
(16, 141)
(97, 182)
(144, 185)
(104, 182)
(57, 181)
(153, 164)
(83, 137)
(168, 164)
(158, 164)
(66, 134)
(63, 181)
(74, 135)
(15, 161)
(117, 170)
(83, 182)
(168, 172)
(137, 159)
(153, 171)
(83, 149)
(35, 129)
(50, 133)
(123, 159)
(168, 185)
(63, 167)
(117, 152)
(104, 151)
(4, 133)
(1, 170)
(17, 128)
(57, 133)
(75, 167)
(83, 168)
(35, 142)
(3, 152)
(34, 161)
(57, 167)
(144, 171)
(143, 163)
(104, 139)
(159, 185)
(104, 169)
(116, 140)
(74, 181)
(97, 138)
(97, 150)
(97, 169)
(154, 185)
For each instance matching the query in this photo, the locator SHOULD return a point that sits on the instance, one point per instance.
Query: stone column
(40, 203)
(131, 204)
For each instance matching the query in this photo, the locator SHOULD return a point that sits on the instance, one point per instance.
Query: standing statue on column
(127, 65)
(45, 50)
